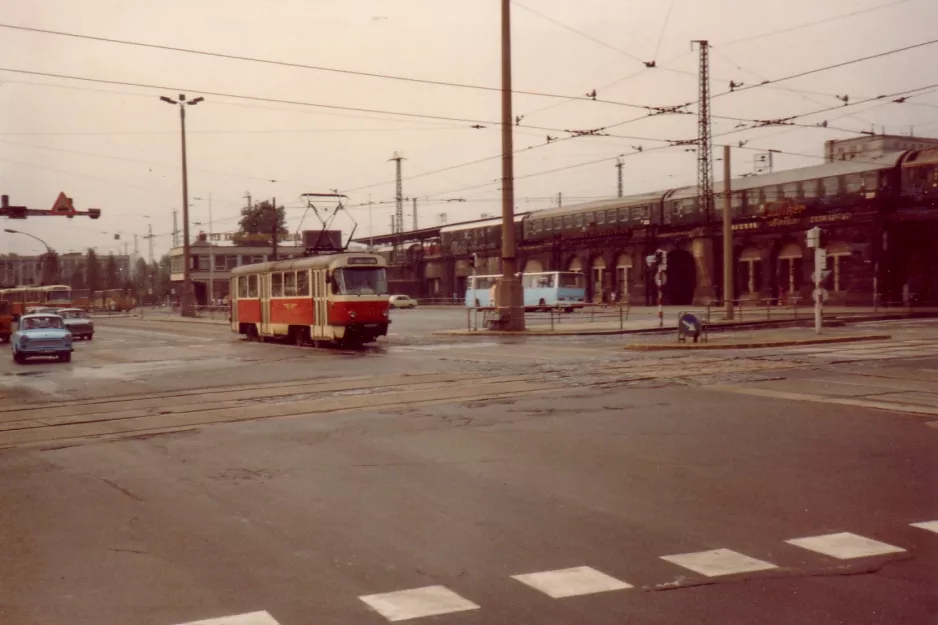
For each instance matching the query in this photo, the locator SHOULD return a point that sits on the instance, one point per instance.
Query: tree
(111, 279)
(50, 268)
(141, 283)
(77, 279)
(92, 271)
(257, 224)
(161, 277)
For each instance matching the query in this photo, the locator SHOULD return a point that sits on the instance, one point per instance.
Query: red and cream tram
(336, 297)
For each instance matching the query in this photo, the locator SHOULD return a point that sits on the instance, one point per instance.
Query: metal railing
(555, 316)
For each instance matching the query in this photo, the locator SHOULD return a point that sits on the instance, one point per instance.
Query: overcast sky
(117, 147)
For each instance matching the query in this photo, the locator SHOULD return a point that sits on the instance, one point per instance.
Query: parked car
(41, 335)
(402, 301)
(6, 321)
(77, 322)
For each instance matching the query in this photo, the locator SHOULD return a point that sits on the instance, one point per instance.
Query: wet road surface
(173, 473)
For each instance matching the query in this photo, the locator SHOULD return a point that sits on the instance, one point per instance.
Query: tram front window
(360, 281)
(59, 296)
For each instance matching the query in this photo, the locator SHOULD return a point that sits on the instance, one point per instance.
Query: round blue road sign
(689, 326)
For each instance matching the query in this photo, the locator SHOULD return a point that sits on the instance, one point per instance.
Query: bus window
(571, 280)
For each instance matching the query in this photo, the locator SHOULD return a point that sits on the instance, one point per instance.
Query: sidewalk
(758, 339)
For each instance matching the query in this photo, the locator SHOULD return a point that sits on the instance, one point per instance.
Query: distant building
(226, 258)
(873, 146)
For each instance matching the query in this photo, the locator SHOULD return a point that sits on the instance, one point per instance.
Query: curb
(482, 333)
(756, 344)
(219, 322)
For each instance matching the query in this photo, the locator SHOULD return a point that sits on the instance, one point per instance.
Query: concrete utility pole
(619, 165)
(185, 308)
(399, 196)
(509, 296)
(728, 266)
(274, 235)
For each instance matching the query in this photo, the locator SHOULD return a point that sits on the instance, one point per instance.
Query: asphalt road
(173, 474)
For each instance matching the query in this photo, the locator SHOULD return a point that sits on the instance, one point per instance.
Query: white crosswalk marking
(418, 603)
(581, 580)
(845, 546)
(719, 562)
(931, 526)
(253, 618)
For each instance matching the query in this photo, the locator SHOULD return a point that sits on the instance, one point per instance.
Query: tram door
(320, 303)
(263, 291)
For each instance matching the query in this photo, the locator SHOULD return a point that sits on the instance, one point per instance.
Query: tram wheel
(300, 336)
(251, 333)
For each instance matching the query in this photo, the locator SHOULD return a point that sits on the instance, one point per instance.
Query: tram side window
(242, 287)
(289, 284)
(252, 286)
(302, 283)
(276, 285)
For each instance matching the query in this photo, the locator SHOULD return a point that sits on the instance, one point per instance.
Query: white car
(402, 301)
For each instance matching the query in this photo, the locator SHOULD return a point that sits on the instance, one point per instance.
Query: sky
(276, 131)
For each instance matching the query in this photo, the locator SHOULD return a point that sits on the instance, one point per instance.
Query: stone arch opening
(682, 278)
(597, 285)
(533, 266)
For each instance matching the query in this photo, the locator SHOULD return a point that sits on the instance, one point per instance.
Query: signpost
(820, 263)
(689, 326)
(659, 260)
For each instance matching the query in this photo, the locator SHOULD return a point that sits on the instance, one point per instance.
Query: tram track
(62, 425)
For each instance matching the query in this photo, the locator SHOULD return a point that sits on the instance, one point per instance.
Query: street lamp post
(185, 307)
(48, 249)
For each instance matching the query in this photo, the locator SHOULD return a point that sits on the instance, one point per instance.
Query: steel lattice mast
(704, 145)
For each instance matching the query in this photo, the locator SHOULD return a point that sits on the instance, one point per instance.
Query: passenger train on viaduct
(875, 198)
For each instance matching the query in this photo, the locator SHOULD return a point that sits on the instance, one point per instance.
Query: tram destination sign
(362, 260)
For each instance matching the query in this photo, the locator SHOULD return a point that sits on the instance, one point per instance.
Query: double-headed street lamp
(49, 251)
(186, 298)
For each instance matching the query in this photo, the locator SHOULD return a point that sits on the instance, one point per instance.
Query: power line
(236, 57)
(826, 68)
(664, 27)
(814, 23)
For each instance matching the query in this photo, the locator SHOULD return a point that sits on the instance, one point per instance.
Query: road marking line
(931, 526)
(253, 618)
(581, 580)
(878, 405)
(719, 562)
(418, 603)
(845, 546)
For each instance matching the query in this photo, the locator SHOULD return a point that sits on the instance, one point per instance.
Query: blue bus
(542, 290)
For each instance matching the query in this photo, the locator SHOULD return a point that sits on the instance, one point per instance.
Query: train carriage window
(623, 215)
(302, 283)
(736, 202)
(557, 223)
(242, 286)
(567, 221)
(546, 227)
(578, 220)
(810, 189)
(646, 212)
(276, 285)
(790, 190)
(600, 217)
(770, 193)
(870, 181)
(675, 207)
(588, 219)
(252, 286)
(611, 216)
(289, 284)
(853, 183)
(831, 186)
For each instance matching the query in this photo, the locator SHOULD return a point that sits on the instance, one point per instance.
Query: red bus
(339, 297)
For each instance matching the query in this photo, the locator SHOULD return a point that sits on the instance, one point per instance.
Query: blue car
(41, 335)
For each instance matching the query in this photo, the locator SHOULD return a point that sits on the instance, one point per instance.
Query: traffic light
(474, 260)
(94, 213)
